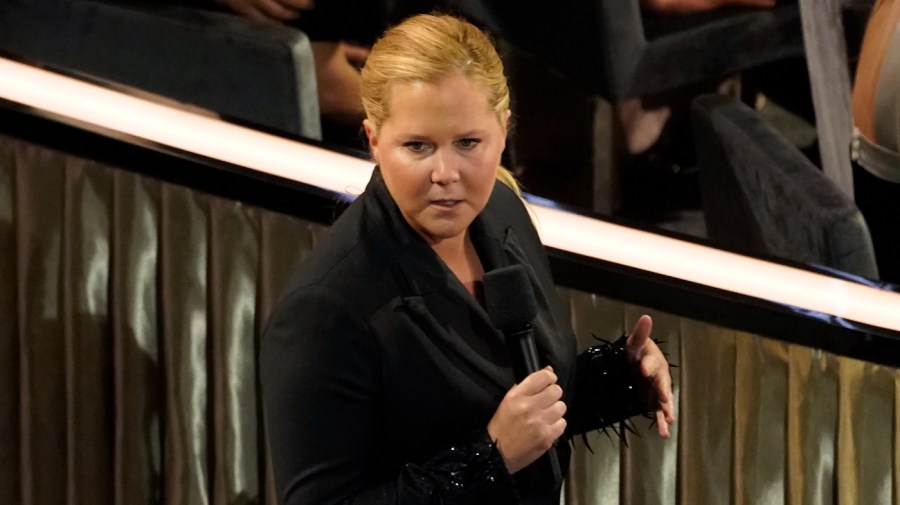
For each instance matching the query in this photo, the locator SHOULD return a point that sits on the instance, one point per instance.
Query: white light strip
(188, 131)
(719, 269)
(271, 154)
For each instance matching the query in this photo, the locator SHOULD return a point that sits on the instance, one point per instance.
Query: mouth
(446, 204)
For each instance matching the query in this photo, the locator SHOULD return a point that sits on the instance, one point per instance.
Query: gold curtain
(129, 316)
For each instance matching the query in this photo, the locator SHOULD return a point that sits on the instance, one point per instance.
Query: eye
(468, 143)
(416, 146)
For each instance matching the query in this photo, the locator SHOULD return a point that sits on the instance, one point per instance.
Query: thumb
(639, 335)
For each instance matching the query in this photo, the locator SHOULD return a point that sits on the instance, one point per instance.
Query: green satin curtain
(129, 316)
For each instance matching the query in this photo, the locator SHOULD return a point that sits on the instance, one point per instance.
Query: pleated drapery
(130, 311)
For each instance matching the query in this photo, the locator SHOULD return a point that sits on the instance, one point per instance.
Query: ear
(372, 135)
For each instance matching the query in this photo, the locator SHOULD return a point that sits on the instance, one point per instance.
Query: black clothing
(380, 372)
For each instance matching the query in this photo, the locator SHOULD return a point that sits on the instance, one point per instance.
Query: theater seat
(244, 70)
(611, 48)
(762, 195)
(646, 55)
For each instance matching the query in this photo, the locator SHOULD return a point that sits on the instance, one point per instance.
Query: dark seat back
(610, 47)
(242, 69)
(762, 195)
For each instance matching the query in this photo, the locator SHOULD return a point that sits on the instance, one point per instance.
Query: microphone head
(509, 298)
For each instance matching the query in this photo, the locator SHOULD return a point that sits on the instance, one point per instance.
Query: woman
(384, 380)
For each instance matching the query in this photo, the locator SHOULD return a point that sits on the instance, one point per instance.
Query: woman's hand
(654, 369)
(529, 420)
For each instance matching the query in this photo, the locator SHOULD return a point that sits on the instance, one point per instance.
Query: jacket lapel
(430, 287)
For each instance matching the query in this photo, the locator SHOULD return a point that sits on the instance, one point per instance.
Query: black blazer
(377, 360)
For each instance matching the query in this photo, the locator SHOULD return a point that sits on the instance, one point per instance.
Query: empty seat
(762, 195)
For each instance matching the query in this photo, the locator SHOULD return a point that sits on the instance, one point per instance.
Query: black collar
(423, 271)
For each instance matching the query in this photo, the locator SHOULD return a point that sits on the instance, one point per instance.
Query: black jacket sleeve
(321, 384)
(607, 389)
(472, 472)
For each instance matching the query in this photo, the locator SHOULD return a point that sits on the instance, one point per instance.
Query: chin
(444, 234)
(439, 233)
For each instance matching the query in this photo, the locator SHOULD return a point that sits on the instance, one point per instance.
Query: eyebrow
(409, 136)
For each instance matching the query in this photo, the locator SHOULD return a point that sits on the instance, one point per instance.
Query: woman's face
(438, 151)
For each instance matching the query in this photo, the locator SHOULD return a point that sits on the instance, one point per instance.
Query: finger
(548, 396)
(558, 428)
(247, 10)
(253, 12)
(302, 5)
(660, 381)
(537, 381)
(666, 398)
(662, 425)
(668, 409)
(558, 409)
(551, 414)
(668, 406)
(664, 388)
(276, 11)
(640, 335)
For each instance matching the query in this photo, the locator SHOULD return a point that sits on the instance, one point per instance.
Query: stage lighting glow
(108, 110)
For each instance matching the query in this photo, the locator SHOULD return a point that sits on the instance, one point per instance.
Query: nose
(445, 170)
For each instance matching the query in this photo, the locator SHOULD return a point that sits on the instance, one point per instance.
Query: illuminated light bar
(719, 269)
(181, 129)
(217, 139)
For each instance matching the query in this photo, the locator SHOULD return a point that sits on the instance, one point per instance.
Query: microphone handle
(525, 362)
(524, 352)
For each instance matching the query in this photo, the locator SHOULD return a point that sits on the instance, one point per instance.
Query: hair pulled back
(427, 48)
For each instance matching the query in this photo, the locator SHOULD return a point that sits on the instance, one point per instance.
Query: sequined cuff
(608, 390)
(468, 473)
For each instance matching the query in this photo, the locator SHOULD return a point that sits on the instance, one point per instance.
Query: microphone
(511, 306)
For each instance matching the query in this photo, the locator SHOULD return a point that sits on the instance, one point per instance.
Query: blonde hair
(427, 48)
